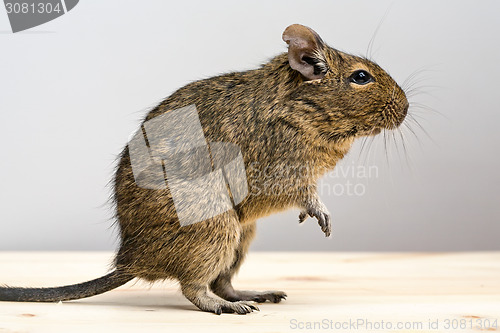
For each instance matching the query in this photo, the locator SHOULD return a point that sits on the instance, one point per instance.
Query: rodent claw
(254, 307)
(302, 216)
(328, 225)
(324, 219)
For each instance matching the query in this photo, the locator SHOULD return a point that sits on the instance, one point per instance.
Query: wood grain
(327, 292)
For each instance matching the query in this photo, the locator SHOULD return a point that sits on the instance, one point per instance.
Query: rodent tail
(65, 293)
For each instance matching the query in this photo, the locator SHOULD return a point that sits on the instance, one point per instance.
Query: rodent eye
(361, 77)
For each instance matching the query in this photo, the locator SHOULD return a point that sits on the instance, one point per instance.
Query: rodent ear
(305, 51)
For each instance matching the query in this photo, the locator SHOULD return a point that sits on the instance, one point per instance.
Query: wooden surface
(452, 292)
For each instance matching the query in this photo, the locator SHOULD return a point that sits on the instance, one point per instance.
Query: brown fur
(295, 126)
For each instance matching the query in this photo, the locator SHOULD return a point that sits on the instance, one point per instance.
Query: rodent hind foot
(211, 303)
(239, 307)
(273, 296)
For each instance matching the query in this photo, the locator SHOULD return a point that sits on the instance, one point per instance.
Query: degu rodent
(302, 108)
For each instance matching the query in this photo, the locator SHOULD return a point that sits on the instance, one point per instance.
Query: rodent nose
(405, 108)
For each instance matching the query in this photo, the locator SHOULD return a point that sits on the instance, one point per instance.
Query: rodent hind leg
(222, 285)
(199, 296)
(202, 251)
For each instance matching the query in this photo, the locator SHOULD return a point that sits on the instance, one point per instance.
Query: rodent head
(341, 95)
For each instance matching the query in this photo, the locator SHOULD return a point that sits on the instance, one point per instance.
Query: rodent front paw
(323, 217)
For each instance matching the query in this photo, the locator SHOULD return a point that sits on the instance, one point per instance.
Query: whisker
(411, 77)
(385, 147)
(394, 139)
(415, 113)
(418, 90)
(416, 107)
(367, 157)
(412, 117)
(412, 81)
(372, 40)
(413, 132)
(396, 144)
(363, 143)
(407, 157)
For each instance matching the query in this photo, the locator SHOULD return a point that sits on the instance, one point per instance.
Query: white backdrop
(73, 90)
